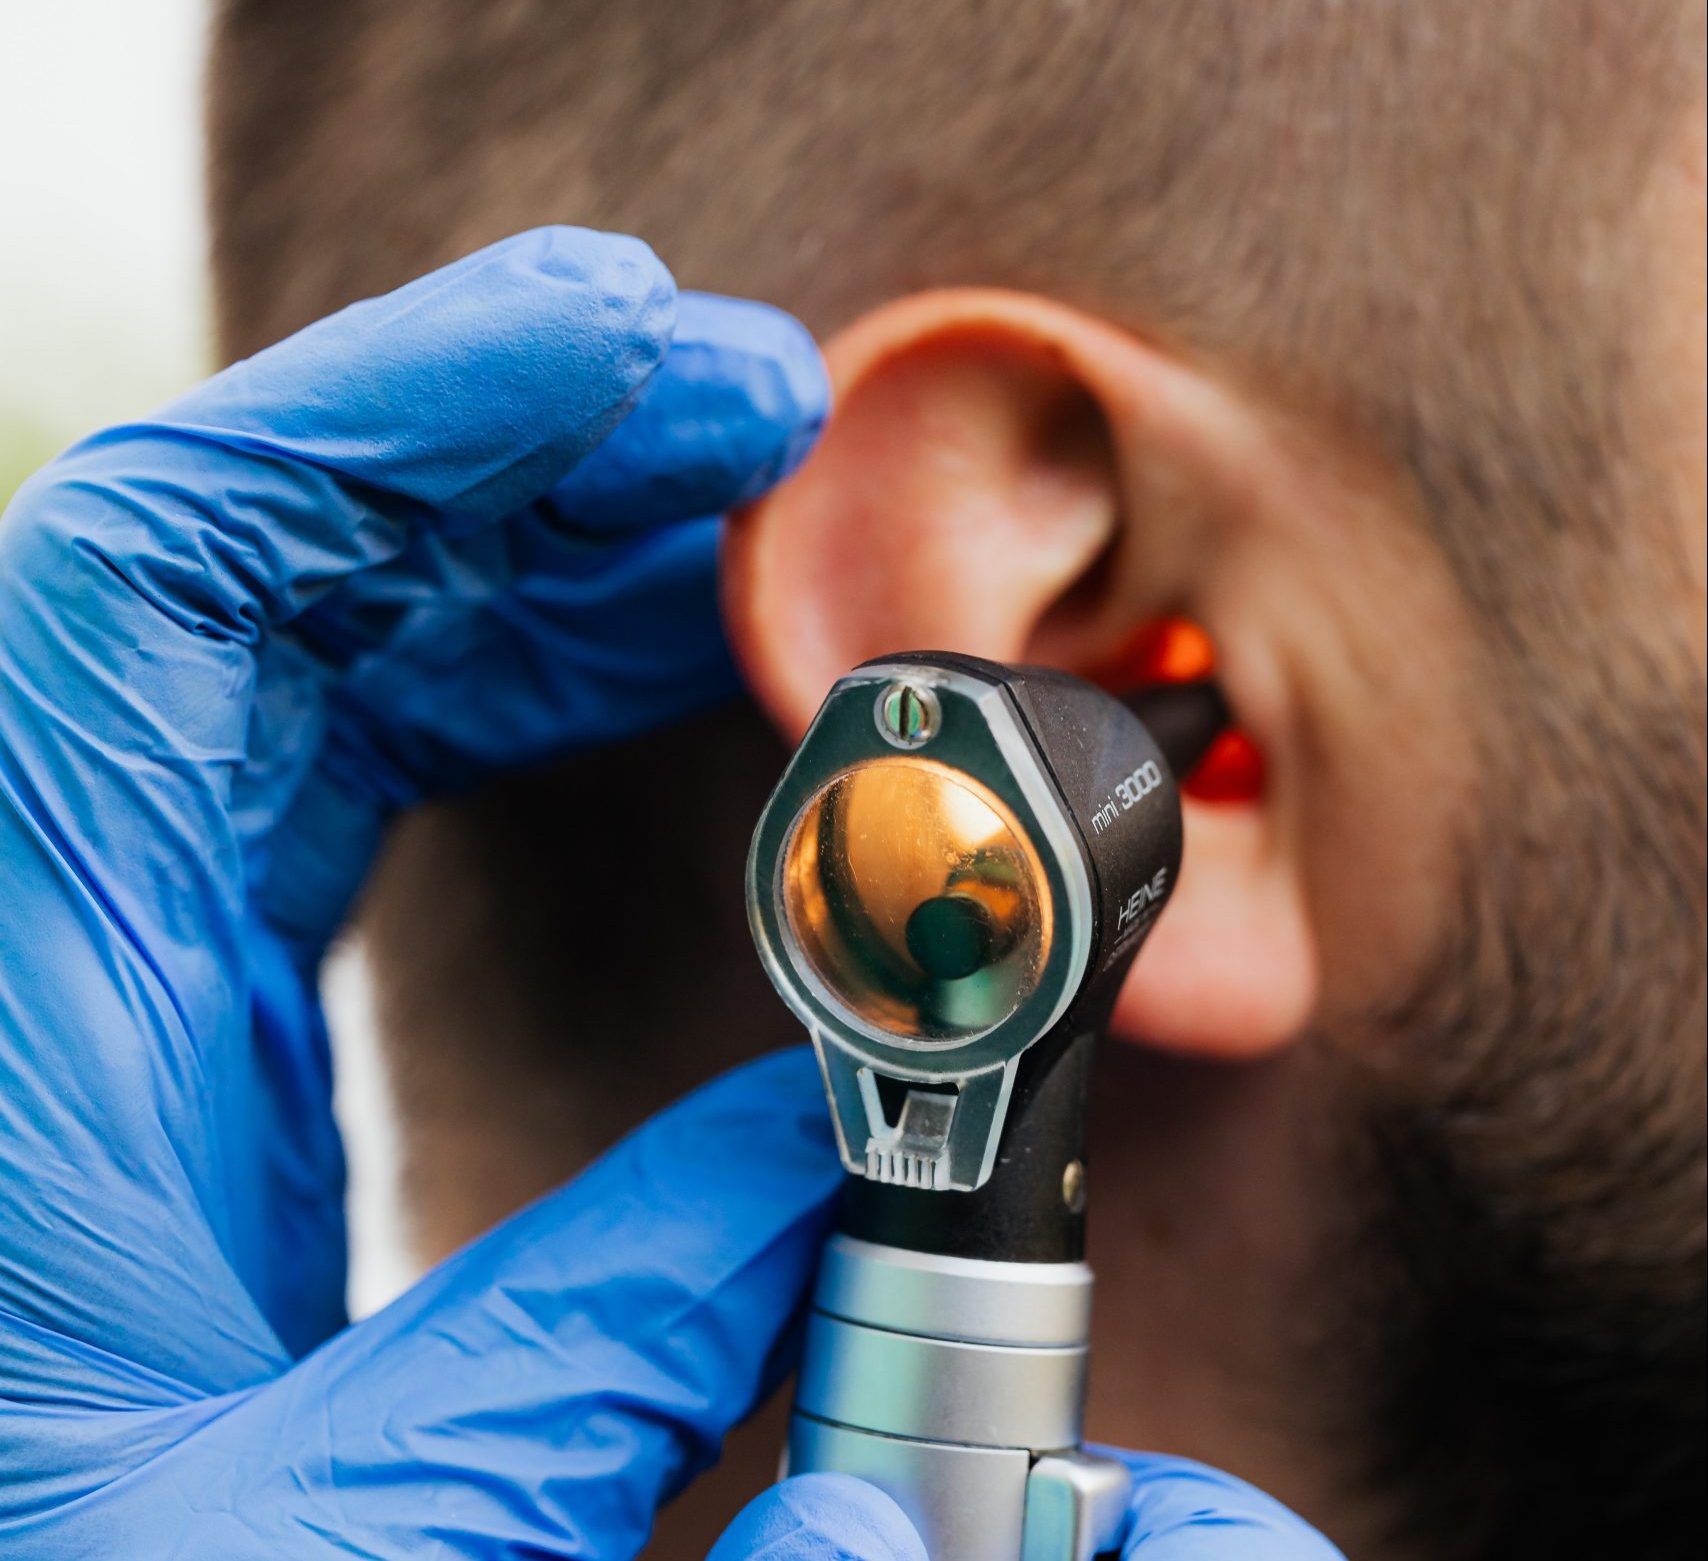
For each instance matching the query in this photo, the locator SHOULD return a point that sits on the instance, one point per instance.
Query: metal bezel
(979, 733)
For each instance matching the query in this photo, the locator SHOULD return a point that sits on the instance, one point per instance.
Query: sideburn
(1526, 1328)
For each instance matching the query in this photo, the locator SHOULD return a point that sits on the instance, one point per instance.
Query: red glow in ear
(1177, 650)
(1167, 650)
(1232, 771)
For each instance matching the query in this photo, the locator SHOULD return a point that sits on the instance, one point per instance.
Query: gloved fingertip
(1182, 1511)
(590, 327)
(739, 402)
(821, 1517)
(790, 386)
(469, 390)
(773, 1106)
(617, 280)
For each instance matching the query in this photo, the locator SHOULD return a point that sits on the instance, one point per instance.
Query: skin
(1348, 654)
(1290, 551)
(1673, 329)
(1231, 1273)
(1228, 1277)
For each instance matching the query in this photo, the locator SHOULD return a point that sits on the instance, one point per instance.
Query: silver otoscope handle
(957, 1386)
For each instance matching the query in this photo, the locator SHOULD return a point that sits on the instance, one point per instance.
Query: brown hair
(1413, 220)
(1412, 215)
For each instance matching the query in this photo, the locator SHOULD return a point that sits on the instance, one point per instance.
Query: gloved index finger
(539, 1393)
(820, 1517)
(137, 575)
(738, 402)
(459, 398)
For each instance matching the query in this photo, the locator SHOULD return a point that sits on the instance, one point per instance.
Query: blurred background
(101, 239)
(104, 314)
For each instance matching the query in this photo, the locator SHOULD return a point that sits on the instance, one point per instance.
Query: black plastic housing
(1117, 786)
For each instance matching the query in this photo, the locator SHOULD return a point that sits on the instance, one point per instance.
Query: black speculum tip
(951, 936)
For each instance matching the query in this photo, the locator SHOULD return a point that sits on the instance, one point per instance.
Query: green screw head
(908, 714)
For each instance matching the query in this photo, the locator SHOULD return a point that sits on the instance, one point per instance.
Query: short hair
(1413, 221)
(1414, 216)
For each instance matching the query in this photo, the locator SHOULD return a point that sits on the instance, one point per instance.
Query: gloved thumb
(820, 1517)
(541, 1393)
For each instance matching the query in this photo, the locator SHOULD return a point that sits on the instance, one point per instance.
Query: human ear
(1007, 476)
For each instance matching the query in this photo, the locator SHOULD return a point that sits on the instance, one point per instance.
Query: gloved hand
(1180, 1511)
(234, 639)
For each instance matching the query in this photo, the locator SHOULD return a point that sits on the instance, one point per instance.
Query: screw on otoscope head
(907, 714)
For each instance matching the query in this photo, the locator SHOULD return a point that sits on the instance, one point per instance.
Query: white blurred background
(100, 215)
(103, 313)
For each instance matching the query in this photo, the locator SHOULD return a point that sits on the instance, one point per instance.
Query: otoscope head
(960, 862)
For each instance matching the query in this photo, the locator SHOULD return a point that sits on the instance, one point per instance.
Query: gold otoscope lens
(916, 899)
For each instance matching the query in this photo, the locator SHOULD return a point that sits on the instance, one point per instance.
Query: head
(1367, 337)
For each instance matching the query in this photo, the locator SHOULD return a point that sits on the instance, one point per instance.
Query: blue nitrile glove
(1180, 1511)
(234, 639)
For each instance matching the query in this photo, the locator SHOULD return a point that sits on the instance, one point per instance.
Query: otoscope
(947, 887)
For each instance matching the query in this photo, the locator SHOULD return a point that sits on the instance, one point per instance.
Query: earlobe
(1007, 476)
(1231, 971)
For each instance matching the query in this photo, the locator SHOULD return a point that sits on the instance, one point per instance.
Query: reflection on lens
(917, 901)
